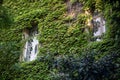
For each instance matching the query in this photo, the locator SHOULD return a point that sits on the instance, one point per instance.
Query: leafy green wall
(60, 37)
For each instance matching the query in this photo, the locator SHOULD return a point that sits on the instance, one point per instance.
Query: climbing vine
(65, 45)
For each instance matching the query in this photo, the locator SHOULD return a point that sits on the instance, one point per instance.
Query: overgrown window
(31, 46)
(98, 27)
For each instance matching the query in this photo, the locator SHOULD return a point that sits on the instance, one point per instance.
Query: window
(98, 27)
(31, 47)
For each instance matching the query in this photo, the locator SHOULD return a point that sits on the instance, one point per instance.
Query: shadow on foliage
(5, 19)
(85, 67)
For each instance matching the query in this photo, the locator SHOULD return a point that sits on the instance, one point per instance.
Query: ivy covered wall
(66, 50)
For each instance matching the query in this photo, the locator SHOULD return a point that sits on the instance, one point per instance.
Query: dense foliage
(66, 51)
